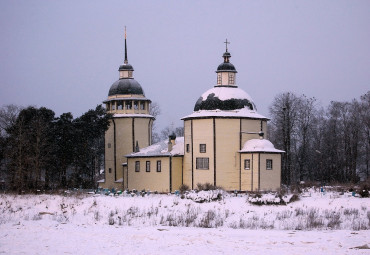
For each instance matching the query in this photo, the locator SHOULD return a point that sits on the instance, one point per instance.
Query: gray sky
(64, 55)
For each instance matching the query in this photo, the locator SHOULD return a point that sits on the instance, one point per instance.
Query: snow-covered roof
(226, 93)
(119, 180)
(161, 149)
(101, 181)
(259, 145)
(239, 113)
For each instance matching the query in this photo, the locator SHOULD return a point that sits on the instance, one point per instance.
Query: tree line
(325, 145)
(41, 151)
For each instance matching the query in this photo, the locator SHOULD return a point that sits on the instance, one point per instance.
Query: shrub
(183, 188)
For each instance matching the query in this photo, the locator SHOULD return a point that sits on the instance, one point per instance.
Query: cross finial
(226, 42)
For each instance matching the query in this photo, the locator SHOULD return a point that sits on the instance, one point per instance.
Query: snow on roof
(226, 93)
(239, 113)
(161, 149)
(119, 180)
(259, 145)
(124, 115)
(102, 180)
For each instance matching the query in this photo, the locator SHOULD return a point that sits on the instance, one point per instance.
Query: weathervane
(226, 44)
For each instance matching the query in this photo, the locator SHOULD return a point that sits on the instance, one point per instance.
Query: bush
(183, 188)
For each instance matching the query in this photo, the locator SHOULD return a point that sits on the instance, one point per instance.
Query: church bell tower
(130, 127)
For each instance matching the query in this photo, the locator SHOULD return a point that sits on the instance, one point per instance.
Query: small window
(142, 106)
(269, 164)
(187, 147)
(219, 79)
(202, 163)
(247, 164)
(128, 105)
(137, 166)
(120, 105)
(136, 105)
(159, 166)
(110, 170)
(147, 168)
(231, 79)
(113, 106)
(202, 148)
(109, 145)
(129, 74)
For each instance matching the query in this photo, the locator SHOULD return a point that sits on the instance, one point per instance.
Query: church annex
(223, 141)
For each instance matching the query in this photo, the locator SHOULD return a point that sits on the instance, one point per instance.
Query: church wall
(124, 145)
(227, 156)
(143, 132)
(270, 179)
(255, 172)
(203, 134)
(153, 180)
(246, 175)
(187, 155)
(176, 173)
(251, 125)
(109, 158)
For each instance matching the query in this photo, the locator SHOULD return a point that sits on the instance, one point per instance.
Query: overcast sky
(65, 55)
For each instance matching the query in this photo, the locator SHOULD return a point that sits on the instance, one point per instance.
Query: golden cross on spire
(226, 44)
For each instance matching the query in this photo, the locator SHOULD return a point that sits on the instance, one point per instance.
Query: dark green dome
(125, 87)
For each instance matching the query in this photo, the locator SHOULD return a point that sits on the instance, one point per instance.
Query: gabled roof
(161, 149)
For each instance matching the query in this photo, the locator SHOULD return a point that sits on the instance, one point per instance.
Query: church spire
(126, 61)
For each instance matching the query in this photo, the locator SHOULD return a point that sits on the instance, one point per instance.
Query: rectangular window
(110, 170)
(128, 105)
(129, 74)
(119, 105)
(247, 164)
(269, 164)
(159, 166)
(137, 166)
(136, 105)
(219, 79)
(187, 147)
(202, 163)
(231, 78)
(147, 168)
(109, 145)
(142, 106)
(202, 148)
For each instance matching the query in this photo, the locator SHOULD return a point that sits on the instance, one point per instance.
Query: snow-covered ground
(166, 224)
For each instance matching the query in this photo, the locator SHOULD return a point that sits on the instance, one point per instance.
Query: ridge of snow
(259, 145)
(225, 93)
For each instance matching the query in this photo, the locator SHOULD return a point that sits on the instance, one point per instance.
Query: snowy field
(318, 223)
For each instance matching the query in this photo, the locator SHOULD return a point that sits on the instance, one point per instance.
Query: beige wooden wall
(125, 143)
(229, 140)
(187, 155)
(153, 180)
(270, 179)
(258, 177)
